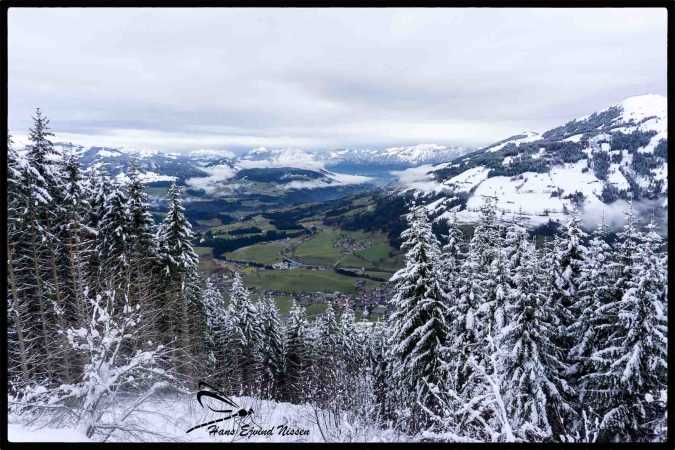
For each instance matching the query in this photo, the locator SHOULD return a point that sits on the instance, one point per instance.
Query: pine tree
(474, 312)
(298, 362)
(142, 224)
(217, 324)
(179, 266)
(44, 174)
(419, 329)
(76, 234)
(244, 339)
(23, 351)
(567, 272)
(175, 237)
(114, 238)
(630, 365)
(99, 189)
(272, 350)
(452, 256)
(43, 177)
(380, 372)
(327, 357)
(532, 367)
(596, 289)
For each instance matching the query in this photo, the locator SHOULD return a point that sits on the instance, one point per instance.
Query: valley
(314, 225)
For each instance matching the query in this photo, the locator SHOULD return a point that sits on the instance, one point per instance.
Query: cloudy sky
(184, 79)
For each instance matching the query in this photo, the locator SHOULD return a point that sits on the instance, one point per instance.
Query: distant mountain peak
(611, 155)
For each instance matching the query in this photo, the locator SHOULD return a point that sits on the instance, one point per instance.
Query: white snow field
(166, 418)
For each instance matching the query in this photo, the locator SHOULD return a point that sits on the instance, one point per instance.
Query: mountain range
(595, 164)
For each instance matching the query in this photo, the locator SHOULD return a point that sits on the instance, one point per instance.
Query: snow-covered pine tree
(629, 379)
(23, 350)
(142, 225)
(144, 267)
(272, 349)
(531, 362)
(591, 329)
(179, 266)
(452, 256)
(327, 357)
(495, 281)
(78, 238)
(569, 259)
(627, 243)
(42, 157)
(380, 372)
(99, 188)
(298, 362)
(474, 310)
(419, 328)
(175, 237)
(216, 327)
(244, 339)
(352, 357)
(113, 238)
(43, 176)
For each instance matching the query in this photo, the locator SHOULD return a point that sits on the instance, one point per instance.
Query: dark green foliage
(600, 162)
(567, 152)
(610, 193)
(589, 125)
(631, 141)
(223, 245)
(576, 197)
(662, 149)
(643, 163)
(245, 230)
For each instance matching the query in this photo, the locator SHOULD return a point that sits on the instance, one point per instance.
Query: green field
(376, 253)
(284, 304)
(204, 251)
(263, 253)
(316, 308)
(354, 261)
(319, 248)
(303, 280)
(256, 221)
(385, 275)
(214, 222)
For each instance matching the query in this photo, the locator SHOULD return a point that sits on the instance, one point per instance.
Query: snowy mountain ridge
(595, 163)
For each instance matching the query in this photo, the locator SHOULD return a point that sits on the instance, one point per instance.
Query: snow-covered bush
(117, 364)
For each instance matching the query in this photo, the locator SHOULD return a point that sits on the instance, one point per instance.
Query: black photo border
(6, 5)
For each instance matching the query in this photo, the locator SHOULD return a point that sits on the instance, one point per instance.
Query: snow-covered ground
(168, 417)
(527, 136)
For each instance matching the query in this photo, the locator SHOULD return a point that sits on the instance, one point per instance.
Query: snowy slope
(596, 163)
(526, 136)
(166, 418)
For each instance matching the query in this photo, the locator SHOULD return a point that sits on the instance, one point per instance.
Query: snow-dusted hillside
(596, 163)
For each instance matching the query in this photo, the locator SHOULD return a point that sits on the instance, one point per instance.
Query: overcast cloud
(184, 79)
